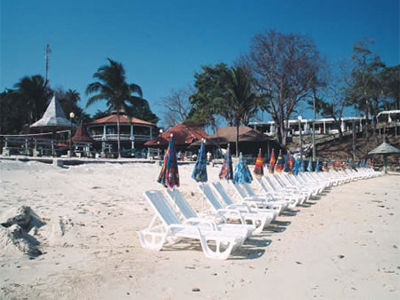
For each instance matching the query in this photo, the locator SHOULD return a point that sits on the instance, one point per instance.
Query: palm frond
(95, 98)
(136, 89)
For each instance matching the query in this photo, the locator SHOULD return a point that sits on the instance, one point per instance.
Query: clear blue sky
(163, 43)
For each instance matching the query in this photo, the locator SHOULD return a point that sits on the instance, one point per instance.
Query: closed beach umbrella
(350, 164)
(325, 167)
(169, 175)
(361, 164)
(317, 166)
(200, 168)
(286, 167)
(227, 169)
(296, 167)
(331, 165)
(242, 173)
(279, 162)
(309, 167)
(272, 161)
(301, 169)
(259, 167)
(290, 163)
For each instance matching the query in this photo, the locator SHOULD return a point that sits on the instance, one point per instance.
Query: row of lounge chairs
(231, 223)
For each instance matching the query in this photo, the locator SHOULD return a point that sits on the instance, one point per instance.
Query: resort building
(323, 126)
(133, 132)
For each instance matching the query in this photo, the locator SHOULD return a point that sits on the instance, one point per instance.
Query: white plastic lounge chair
(248, 196)
(190, 215)
(172, 230)
(245, 206)
(295, 197)
(290, 197)
(260, 220)
(305, 189)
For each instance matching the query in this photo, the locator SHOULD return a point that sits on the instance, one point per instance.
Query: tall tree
(366, 90)
(112, 87)
(332, 100)
(285, 68)
(205, 105)
(35, 94)
(239, 99)
(390, 78)
(177, 106)
(69, 101)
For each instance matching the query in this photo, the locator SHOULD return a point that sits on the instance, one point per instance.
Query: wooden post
(353, 124)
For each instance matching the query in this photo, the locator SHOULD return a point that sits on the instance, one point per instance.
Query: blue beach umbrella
(361, 163)
(351, 164)
(309, 167)
(227, 169)
(169, 175)
(242, 173)
(200, 168)
(301, 169)
(317, 166)
(296, 167)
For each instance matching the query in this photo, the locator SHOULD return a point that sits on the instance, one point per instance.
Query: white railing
(123, 137)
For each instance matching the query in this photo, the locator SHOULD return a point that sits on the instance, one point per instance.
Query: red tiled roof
(183, 135)
(81, 135)
(122, 118)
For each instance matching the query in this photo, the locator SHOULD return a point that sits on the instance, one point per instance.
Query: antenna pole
(47, 54)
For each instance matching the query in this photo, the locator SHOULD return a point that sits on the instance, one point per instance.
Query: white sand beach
(343, 245)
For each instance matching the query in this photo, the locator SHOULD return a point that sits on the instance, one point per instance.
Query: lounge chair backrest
(180, 201)
(270, 183)
(248, 189)
(208, 193)
(242, 194)
(278, 180)
(290, 180)
(162, 207)
(223, 194)
(262, 184)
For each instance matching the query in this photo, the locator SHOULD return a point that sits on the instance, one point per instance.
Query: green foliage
(14, 116)
(118, 94)
(209, 85)
(141, 110)
(69, 101)
(24, 105)
(390, 79)
(366, 87)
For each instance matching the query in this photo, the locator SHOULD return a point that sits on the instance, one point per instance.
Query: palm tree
(112, 87)
(35, 94)
(241, 101)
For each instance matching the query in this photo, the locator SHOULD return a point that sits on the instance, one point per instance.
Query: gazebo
(385, 149)
(81, 141)
(53, 117)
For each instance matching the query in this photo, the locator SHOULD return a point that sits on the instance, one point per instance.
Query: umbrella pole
(385, 163)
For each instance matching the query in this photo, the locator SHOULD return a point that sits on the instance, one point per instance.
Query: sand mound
(16, 226)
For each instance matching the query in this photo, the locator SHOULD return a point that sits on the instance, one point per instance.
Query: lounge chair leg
(217, 254)
(156, 242)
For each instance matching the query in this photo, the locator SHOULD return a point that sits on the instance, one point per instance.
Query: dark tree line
(285, 71)
(26, 102)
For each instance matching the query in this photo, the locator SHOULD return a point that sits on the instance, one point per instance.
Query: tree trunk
(353, 126)
(339, 127)
(118, 136)
(366, 129)
(237, 138)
